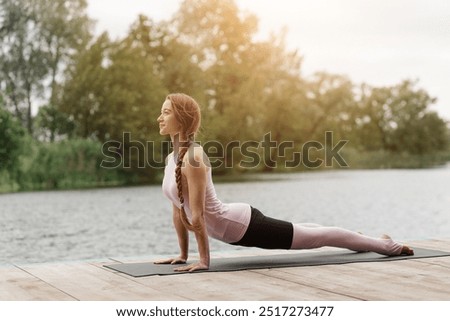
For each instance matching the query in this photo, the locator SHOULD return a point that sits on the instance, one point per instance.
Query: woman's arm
(182, 233)
(195, 171)
(183, 240)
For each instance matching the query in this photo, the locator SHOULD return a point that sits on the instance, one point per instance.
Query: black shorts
(267, 233)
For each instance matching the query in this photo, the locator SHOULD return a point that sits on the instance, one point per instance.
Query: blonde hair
(187, 113)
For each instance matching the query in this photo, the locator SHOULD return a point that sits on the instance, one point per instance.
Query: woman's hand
(193, 267)
(177, 260)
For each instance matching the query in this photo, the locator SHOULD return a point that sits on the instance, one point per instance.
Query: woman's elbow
(198, 223)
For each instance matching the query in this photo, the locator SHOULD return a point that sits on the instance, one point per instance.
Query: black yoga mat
(299, 258)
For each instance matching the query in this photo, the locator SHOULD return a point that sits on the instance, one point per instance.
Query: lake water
(137, 221)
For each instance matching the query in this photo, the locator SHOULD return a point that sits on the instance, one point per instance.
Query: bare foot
(406, 250)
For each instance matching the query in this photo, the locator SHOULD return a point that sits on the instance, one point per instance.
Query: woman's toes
(407, 251)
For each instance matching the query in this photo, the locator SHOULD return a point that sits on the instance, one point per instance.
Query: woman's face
(168, 125)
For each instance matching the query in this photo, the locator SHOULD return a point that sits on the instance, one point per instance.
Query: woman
(188, 184)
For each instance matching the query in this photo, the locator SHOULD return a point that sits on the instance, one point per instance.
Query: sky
(378, 42)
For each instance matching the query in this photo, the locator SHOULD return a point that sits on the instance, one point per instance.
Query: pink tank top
(224, 222)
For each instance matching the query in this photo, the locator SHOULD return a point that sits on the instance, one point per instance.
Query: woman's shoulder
(197, 156)
(170, 156)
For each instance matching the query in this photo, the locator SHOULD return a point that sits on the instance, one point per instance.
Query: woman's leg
(268, 233)
(315, 237)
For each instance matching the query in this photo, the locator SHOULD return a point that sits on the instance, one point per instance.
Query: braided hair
(178, 178)
(187, 113)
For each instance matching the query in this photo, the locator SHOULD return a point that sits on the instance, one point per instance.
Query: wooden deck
(418, 279)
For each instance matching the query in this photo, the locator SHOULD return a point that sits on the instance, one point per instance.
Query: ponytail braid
(178, 178)
(187, 113)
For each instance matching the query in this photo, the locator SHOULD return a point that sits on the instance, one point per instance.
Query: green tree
(66, 31)
(85, 88)
(111, 90)
(278, 93)
(252, 87)
(51, 123)
(222, 41)
(11, 135)
(399, 119)
(329, 106)
(173, 60)
(114, 94)
(22, 61)
(37, 38)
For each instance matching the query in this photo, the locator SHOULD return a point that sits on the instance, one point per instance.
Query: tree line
(93, 89)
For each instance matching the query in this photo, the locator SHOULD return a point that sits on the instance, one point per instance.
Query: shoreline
(241, 177)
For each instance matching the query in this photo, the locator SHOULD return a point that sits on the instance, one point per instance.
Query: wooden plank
(397, 280)
(239, 285)
(412, 279)
(85, 281)
(18, 285)
(434, 244)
